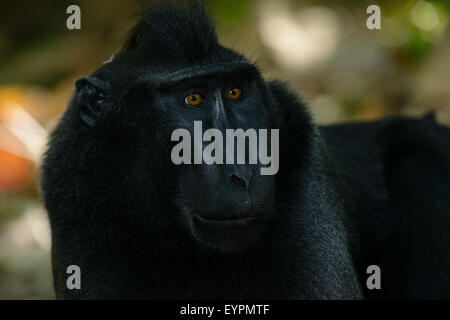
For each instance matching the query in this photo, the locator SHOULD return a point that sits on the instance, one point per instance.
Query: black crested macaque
(141, 227)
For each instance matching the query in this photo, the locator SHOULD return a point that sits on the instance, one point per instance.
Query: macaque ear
(91, 96)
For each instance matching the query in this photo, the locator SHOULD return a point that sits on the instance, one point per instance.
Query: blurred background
(344, 70)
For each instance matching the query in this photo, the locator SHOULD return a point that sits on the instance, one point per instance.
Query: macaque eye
(234, 93)
(194, 99)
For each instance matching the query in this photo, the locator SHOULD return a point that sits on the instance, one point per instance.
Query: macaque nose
(242, 176)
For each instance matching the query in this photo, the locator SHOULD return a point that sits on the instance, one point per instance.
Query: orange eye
(194, 99)
(234, 93)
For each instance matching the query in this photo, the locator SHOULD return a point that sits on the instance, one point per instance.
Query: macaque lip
(235, 221)
(230, 235)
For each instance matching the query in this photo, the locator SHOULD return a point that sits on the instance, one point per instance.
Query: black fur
(345, 196)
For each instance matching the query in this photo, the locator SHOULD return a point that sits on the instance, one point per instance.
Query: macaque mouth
(229, 221)
(228, 234)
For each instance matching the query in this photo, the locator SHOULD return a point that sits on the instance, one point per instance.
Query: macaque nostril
(243, 184)
(239, 181)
